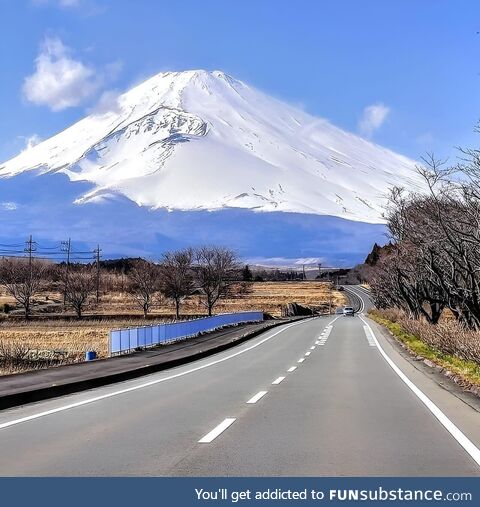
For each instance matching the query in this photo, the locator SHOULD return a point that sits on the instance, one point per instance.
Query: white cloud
(8, 206)
(31, 141)
(373, 118)
(59, 81)
(285, 262)
(107, 103)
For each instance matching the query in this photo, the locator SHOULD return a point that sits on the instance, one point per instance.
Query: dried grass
(41, 343)
(448, 336)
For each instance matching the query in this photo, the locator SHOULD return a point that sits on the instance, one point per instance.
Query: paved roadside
(38, 385)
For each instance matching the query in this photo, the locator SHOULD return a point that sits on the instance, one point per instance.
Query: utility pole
(303, 270)
(319, 270)
(31, 246)
(66, 247)
(97, 262)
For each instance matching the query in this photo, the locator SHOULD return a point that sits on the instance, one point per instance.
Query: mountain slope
(202, 140)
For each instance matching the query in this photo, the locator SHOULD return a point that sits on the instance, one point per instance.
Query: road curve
(316, 398)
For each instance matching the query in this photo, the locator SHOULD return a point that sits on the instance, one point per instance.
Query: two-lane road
(318, 397)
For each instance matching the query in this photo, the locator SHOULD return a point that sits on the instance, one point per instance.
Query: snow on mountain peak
(204, 140)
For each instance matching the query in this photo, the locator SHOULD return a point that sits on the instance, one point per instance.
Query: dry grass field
(61, 340)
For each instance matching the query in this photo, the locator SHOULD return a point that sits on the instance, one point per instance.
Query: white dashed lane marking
(226, 423)
(258, 396)
(209, 437)
(324, 338)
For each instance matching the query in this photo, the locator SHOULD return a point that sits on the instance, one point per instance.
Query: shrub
(448, 336)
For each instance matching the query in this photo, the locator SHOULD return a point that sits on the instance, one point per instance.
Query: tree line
(433, 261)
(211, 272)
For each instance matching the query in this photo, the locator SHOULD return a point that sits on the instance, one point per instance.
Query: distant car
(339, 311)
(348, 311)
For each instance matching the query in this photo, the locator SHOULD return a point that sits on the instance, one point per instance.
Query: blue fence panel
(148, 336)
(124, 340)
(133, 338)
(142, 337)
(115, 343)
(168, 333)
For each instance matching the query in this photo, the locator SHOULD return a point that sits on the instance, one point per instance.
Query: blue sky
(404, 73)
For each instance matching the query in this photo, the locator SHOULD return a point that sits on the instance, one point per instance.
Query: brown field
(67, 339)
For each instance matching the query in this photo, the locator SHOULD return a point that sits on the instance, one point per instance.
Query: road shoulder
(462, 408)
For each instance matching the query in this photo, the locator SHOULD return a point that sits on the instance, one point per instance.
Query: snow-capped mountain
(201, 140)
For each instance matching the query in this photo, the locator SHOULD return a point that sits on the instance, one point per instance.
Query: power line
(50, 247)
(64, 252)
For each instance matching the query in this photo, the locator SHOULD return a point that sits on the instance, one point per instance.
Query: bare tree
(215, 271)
(22, 279)
(177, 276)
(144, 284)
(436, 236)
(80, 287)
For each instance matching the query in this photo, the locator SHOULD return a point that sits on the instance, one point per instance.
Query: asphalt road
(313, 398)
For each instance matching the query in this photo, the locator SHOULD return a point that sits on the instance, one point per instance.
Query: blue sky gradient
(420, 59)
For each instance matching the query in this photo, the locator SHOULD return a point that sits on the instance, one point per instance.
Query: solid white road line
(255, 398)
(301, 360)
(277, 381)
(292, 368)
(217, 430)
(362, 290)
(456, 433)
(362, 303)
(145, 384)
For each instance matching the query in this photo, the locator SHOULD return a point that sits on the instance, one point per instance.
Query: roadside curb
(55, 391)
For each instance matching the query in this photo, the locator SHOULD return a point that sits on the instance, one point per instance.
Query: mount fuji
(199, 157)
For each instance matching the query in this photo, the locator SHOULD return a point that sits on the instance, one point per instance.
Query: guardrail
(126, 340)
